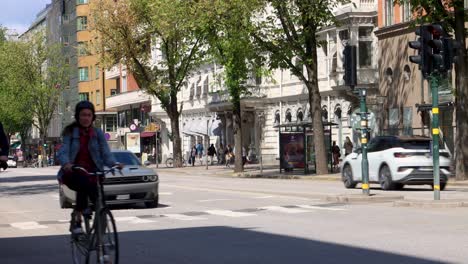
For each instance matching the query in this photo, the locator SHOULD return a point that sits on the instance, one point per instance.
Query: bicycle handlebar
(98, 173)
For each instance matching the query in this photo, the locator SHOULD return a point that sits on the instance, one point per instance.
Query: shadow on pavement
(207, 245)
(27, 178)
(27, 189)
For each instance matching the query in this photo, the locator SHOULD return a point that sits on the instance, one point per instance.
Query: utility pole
(350, 79)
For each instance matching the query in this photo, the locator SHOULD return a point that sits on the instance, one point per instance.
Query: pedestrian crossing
(193, 216)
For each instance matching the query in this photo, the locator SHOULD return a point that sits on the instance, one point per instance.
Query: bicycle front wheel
(80, 245)
(170, 162)
(106, 244)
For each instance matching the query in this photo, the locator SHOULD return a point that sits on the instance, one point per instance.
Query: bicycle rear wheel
(170, 162)
(106, 248)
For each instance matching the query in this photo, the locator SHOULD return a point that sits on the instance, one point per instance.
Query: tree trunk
(176, 141)
(461, 149)
(315, 101)
(239, 167)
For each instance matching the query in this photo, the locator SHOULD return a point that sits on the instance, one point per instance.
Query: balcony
(129, 98)
(357, 6)
(113, 73)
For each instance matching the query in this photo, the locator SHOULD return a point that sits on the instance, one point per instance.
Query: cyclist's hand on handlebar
(68, 167)
(118, 165)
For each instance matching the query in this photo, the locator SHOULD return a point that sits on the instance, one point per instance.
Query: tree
(127, 29)
(452, 15)
(287, 33)
(35, 74)
(230, 23)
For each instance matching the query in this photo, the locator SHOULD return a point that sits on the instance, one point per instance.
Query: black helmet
(84, 105)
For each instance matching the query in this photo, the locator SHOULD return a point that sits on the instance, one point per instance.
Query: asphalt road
(204, 219)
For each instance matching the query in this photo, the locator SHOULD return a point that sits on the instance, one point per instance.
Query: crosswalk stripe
(213, 200)
(133, 220)
(28, 225)
(165, 193)
(228, 213)
(284, 209)
(183, 217)
(320, 208)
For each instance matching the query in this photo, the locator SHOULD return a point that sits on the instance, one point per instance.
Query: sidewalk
(272, 172)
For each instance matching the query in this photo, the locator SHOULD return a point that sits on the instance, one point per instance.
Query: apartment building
(405, 95)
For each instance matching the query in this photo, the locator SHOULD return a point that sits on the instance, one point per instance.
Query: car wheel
(347, 177)
(63, 200)
(385, 178)
(153, 204)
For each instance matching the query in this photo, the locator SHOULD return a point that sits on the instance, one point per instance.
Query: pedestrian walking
(221, 156)
(348, 146)
(193, 155)
(335, 154)
(200, 152)
(211, 153)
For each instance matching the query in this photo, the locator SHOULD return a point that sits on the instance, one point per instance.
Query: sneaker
(75, 228)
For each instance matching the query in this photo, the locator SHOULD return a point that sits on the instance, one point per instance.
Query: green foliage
(231, 45)
(34, 74)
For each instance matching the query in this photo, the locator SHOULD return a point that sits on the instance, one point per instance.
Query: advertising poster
(292, 150)
(133, 142)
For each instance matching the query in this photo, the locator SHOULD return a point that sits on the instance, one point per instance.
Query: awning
(147, 134)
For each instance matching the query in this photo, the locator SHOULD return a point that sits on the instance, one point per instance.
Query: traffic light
(437, 44)
(451, 47)
(423, 59)
(349, 65)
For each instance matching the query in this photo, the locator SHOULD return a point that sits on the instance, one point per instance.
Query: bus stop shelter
(296, 142)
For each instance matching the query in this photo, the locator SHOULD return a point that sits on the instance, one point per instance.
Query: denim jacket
(98, 149)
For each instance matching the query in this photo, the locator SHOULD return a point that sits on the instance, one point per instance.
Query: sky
(19, 14)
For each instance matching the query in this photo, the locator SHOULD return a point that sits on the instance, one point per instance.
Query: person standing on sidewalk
(348, 146)
(200, 152)
(4, 148)
(211, 153)
(193, 155)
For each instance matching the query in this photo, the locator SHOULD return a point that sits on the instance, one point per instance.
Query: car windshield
(418, 144)
(126, 158)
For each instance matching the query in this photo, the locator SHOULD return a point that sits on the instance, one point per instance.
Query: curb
(432, 203)
(360, 198)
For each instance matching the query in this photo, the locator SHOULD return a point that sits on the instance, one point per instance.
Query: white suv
(395, 161)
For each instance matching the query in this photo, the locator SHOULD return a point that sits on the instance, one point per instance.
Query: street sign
(356, 119)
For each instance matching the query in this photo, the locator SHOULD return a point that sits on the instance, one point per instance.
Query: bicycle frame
(94, 239)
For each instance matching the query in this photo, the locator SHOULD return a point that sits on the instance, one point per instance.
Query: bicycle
(100, 237)
(170, 162)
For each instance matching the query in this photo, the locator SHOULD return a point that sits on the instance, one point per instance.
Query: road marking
(264, 197)
(228, 213)
(183, 217)
(165, 193)
(213, 200)
(284, 209)
(133, 220)
(27, 225)
(320, 208)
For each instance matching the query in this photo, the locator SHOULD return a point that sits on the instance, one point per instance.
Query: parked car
(136, 184)
(395, 161)
(11, 162)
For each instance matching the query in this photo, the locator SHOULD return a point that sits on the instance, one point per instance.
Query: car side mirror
(147, 163)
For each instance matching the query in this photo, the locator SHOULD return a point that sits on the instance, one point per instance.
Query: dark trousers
(84, 187)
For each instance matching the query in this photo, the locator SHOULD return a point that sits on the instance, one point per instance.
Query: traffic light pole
(364, 132)
(434, 79)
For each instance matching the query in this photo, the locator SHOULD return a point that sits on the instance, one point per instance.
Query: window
(388, 12)
(124, 84)
(365, 47)
(82, 50)
(324, 113)
(81, 23)
(408, 121)
(288, 116)
(300, 115)
(205, 85)
(406, 11)
(84, 96)
(111, 123)
(66, 40)
(81, 2)
(98, 97)
(97, 72)
(91, 98)
(192, 90)
(277, 117)
(83, 74)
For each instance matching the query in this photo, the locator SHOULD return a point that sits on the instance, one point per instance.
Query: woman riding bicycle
(84, 146)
